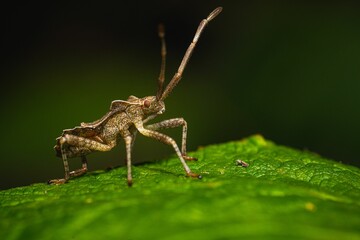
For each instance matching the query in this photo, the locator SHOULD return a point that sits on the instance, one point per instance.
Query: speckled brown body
(103, 134)
(126, 118)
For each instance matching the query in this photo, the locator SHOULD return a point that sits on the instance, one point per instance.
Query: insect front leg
(167, 140)
(172, 123)
(68, 141)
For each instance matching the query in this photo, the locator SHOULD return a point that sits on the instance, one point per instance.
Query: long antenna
(163, 61)
(176, 78)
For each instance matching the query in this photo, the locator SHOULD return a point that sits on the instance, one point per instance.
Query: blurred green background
(289, 71)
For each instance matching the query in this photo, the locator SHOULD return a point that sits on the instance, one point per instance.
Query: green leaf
(282, 194)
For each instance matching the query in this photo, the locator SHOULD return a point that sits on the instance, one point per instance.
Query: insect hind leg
(82, 170)
(66, 166)
(68, 174)
(78, 143)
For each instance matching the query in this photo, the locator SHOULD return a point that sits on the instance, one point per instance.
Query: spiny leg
(172, 123)
(168, 140)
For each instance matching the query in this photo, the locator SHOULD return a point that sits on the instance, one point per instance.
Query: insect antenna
(176, 78)
(163, 61)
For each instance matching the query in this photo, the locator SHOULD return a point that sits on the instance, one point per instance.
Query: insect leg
(66, 167)
(82, 170)
(172, 123)
(168, 140)
(128, 143)
(76, 141)
(87, 143)
(133, 139)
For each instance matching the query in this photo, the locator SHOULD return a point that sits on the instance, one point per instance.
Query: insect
(241, 163)
(126, 118)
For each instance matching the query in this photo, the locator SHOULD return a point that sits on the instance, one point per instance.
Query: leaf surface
(283, 194)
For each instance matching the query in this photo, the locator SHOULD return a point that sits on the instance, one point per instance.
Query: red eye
(147, 103)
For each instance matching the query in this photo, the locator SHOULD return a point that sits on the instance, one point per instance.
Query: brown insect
(241, 163)
(126, 118)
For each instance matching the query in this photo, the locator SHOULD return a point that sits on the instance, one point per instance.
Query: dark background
(289, 71)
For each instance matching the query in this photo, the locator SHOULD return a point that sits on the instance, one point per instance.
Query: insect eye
(147, 103)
